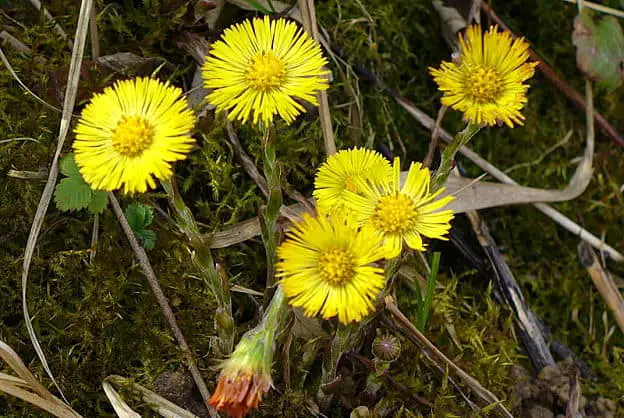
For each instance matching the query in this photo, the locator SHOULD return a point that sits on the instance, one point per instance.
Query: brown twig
(435, 134)
(569, 91)
(410, 331)
(603, 282)
(533, 338)
(163, 303)
(574, 395)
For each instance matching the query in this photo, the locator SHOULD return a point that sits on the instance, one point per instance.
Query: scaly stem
(271, 211)
(202, 259)
(448, 155)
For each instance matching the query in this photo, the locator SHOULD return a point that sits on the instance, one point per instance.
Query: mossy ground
(101, 319)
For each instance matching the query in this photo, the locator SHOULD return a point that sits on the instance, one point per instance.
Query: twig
(569, 91)
(435, 134)
(603, 282)
(95, 36)
(574, 395)
(162, 302)
(16, 43)
(535, 342)
(417, 337)
(308, 15)
(600, 8)
(57, 28)
(543, 155)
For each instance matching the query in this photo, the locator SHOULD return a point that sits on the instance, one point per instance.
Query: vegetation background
(94, 320)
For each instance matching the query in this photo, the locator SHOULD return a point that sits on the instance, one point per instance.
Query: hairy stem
(270, 213)
(448, 155)
(203, 261)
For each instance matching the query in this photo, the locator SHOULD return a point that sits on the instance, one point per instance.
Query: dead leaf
(599, 48)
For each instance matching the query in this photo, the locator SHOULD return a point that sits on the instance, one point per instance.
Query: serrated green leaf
(68, 166)
(599, 48)
(99, 200)
(72, 193)
(148, 238)
(139, 216)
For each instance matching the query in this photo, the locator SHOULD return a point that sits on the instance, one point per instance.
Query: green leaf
(68, 166)
(599, 48)
(148, 238)
(99, 200)
(139, 217)
(72, 193)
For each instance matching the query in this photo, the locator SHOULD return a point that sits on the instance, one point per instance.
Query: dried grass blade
(34, 399)
(410, 330)
(159, 404)
(68, 106)
(119, 405)
(7, 64)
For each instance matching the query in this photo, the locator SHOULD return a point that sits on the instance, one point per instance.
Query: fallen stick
(603, 282)
(410, 331)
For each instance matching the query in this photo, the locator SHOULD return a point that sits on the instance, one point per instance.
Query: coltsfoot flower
(244, 379)
(326, 267)
(246, 376)
(402, 213)
(486, 82)
(131, 133)
(260, 67)
(339, 172)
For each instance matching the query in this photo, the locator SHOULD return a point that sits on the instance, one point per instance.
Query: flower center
(337, 266)
(484, 84)
(394, 213)
(266, 71)
(132, 136)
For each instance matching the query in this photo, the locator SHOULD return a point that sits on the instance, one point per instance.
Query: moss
(100, 319)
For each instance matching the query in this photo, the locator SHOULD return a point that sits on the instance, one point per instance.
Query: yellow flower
(326, 267)
(402, 213)
(486, 81)
(339, 172)
(131, 133)
(261, 66)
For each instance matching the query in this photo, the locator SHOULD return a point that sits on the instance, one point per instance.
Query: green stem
(203, 261)
(448, 155)
(425, 307)
(270, 213)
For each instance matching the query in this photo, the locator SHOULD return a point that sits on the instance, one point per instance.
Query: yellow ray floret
(339, 173)
(131, 133)
(402, 213)
(486, 82)
(261, 67)
(326, 267)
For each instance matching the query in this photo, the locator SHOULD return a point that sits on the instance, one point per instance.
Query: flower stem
(448, 155)
(270, 213)
(202, 259)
